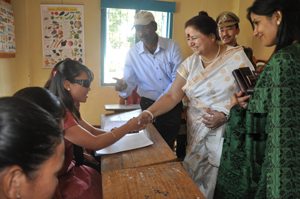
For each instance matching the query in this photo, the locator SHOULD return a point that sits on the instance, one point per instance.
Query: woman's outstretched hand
(144, 118)
(236, 98)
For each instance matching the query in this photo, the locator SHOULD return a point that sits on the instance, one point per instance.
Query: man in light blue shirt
(152, 65)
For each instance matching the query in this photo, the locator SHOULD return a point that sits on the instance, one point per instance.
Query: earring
(278, 23)
(213, 40)
(68, 89)
(17, 186)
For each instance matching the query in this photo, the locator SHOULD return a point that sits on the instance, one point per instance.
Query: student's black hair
(289, 28)
(52, 74)
(203, 23)
(29, 135)
(45, 99)
(68, 70)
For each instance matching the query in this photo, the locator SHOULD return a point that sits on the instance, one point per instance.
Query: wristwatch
(226, 117)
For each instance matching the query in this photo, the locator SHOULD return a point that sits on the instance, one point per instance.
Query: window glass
(120, 37)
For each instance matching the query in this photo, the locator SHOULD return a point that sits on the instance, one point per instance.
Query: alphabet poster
(7, 29)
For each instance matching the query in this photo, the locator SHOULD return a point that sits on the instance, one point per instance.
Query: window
(117, 35)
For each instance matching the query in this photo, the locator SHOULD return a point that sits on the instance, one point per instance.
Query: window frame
(160, 6)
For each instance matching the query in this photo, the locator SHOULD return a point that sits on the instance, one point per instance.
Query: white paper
(128, 142)
(108, 125)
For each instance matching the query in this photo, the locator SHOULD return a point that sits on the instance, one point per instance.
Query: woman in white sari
(206, 79)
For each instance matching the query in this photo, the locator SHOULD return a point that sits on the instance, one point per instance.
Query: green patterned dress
(261, 151)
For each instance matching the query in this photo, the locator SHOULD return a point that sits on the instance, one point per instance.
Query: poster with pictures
(62, 33)
(7, 29)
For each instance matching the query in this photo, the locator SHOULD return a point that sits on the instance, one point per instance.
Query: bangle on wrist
(113, 135)
(149, 113)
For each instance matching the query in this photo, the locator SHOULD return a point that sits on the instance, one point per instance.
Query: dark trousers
(168, 124)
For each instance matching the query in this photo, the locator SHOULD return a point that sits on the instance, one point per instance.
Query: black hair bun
(203, 13)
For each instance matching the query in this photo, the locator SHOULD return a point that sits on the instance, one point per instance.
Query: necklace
(207, 62)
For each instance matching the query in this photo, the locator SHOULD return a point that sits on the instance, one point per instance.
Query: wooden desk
(118, 108)
(157, 153)
(158, 181)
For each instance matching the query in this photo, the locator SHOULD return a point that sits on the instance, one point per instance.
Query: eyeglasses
(83, 82)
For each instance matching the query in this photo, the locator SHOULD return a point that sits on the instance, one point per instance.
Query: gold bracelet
(114, 136)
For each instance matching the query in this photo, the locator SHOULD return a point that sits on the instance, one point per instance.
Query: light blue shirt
(153, 73)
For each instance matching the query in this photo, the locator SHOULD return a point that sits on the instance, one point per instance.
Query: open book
(128, 142)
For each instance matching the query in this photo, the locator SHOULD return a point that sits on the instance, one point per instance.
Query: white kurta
(208, 88)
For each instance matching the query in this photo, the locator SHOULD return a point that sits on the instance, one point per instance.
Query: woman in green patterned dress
(261, 151)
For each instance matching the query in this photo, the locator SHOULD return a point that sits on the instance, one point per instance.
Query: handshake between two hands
(139, 123)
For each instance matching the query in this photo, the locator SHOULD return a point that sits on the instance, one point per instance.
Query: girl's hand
(113, 129)
(90, 159)
(135, 126)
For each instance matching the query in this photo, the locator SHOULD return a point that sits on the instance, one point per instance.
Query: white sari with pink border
(208, 88)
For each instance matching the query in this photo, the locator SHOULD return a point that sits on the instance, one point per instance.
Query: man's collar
(161, 44)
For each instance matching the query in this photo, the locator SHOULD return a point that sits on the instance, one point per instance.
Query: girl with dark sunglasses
(70, 81)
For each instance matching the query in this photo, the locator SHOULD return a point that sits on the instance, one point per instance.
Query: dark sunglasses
(83, 82)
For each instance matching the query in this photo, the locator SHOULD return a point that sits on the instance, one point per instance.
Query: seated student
(31, 150)
(71, 84)
(82, 156)
(46, 100)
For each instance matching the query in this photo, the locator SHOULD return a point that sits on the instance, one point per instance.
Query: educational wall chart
(7, 29)
(62, 33)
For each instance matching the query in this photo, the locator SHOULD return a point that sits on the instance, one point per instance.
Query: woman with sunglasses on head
(261, 150)
(31, 150)
(71, 83)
